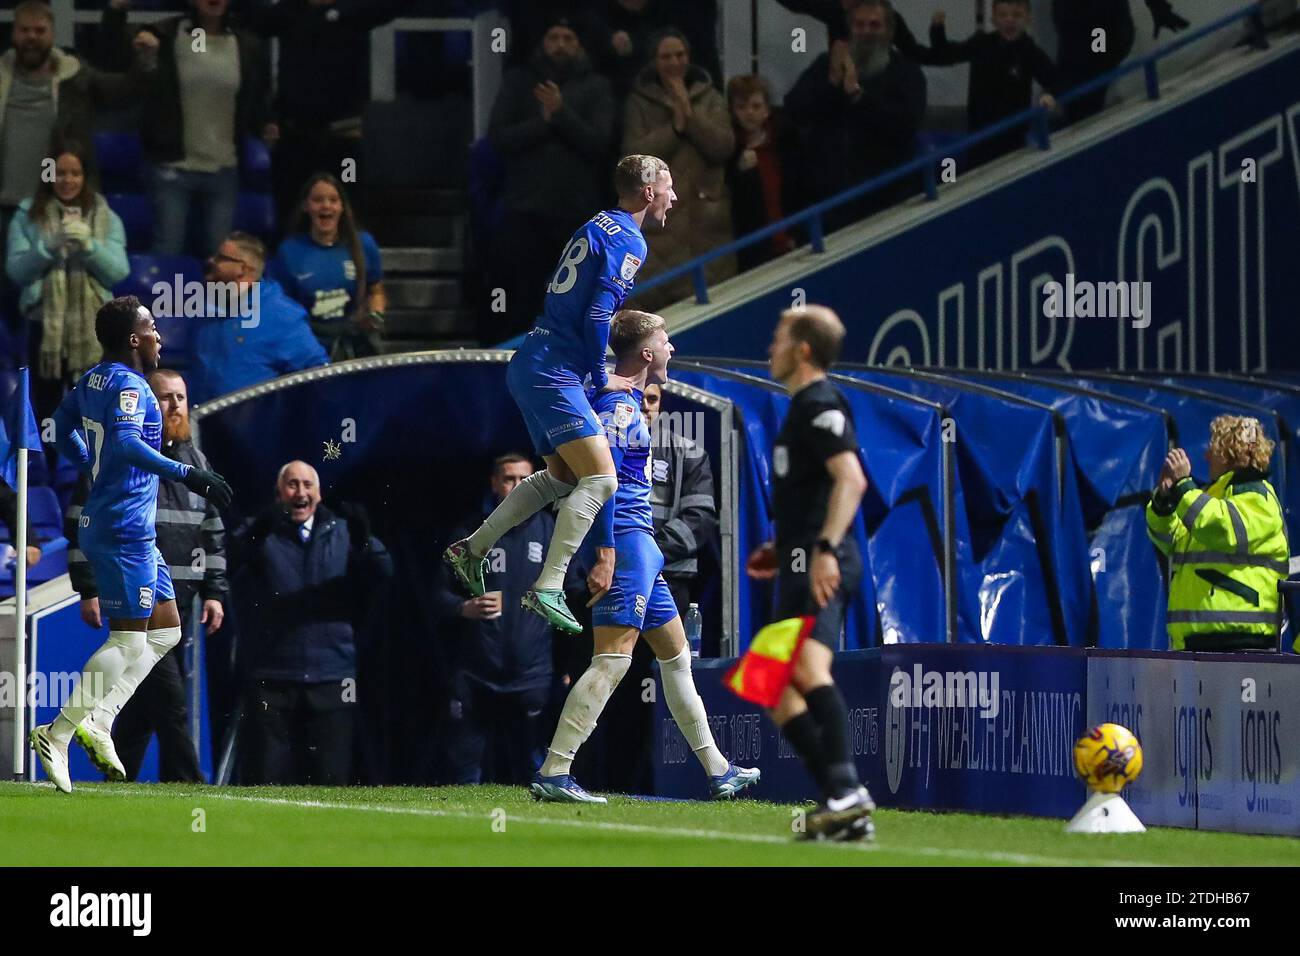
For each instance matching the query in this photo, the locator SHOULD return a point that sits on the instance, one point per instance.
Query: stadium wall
(1197, 193)
(1216, 732)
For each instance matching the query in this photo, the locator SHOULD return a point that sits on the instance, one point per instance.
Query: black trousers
(494, 736)
(158, 706)
(297, 733)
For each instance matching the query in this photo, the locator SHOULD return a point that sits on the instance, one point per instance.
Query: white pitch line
(995, 856)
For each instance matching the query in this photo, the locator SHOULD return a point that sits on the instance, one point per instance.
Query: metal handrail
(1036, 117)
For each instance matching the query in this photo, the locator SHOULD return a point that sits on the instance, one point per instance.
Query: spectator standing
(1226, 542)
(552, 124)
(210, 89)
(1076, 55)
(1005, 64)
(684, 508)
(761, 175)
(861, 104)
(47, 94)
(331, 267)
(304, 574)
(835, 15)
(66, 251)
(674, 112)
(191, 539)
(238, 347)
(322, 83)
(502, 678)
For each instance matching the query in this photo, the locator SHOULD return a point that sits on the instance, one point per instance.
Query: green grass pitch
(171, 825)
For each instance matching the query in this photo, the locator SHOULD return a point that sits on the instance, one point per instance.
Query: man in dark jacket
(552, 124)
(681, 496)
(304, 576)
(862, 106)
(1077, 56)
(190, 537)
(834, 14)
(502, 676)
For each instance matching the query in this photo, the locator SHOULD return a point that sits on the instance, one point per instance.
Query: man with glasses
(250, 331)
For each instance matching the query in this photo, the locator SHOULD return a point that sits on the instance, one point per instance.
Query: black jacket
(512, 652)
(191, 536)
(748, 202)
(554, 169)
(848, 141)
(9, 516)
(162, 126)
(1002, 74)
(299, 602)
(681, 499)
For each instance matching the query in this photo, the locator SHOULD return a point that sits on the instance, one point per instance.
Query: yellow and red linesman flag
(763, 673)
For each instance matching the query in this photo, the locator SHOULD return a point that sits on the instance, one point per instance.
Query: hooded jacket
(700, 220)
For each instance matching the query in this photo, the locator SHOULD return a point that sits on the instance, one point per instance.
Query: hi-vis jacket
(1227, 550)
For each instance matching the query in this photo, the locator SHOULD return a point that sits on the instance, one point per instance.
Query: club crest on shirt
(661, 469)
(128, 400)
(781, 460)
(630, 264)
(535, 552)
(832, 420)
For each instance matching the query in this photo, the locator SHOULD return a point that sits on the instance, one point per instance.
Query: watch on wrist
(824, 546)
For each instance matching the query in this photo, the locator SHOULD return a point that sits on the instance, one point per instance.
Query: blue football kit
(566, 348)
(638, 595)
(111, 425)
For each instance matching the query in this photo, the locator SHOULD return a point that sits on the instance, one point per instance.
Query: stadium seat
(43, 508)
(148, 269)
(255, 213)
(64, 482)
(136, 211)
(257, 165)
(120, 156)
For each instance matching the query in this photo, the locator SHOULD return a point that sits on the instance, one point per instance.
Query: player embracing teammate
(547, 377)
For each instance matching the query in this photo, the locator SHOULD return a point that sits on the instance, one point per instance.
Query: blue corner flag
(17, 427)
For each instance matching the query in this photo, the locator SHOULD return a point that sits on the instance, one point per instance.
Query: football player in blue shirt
(630, 597)
(563, 353)
(110, 425)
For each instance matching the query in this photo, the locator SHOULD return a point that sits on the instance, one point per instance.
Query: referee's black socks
(826, 704)
(806, 739)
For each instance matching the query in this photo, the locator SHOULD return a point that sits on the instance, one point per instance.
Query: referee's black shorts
(794, 598)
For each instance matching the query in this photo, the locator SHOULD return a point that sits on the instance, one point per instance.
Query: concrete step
(430, 323)
(422, 259)
(423, 293)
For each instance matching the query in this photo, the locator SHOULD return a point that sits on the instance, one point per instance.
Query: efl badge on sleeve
(128, 400)
(623, 416)
(630, 264)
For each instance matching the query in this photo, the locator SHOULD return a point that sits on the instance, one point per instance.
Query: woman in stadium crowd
(333, 269)
(66, 250)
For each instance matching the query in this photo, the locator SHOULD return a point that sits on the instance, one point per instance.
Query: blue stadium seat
(43, 509)
(255, 213)
(257, 165)
(64, 481)
(136, 211)
(120, 157)
(148, 269)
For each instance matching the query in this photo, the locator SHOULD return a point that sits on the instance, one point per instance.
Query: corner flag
(17, 428)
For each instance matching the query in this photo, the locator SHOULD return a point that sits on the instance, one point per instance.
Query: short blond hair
(630, 327)
(633, 173)
(1240, 442)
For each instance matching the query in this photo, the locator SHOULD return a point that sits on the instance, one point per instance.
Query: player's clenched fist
(825, 578)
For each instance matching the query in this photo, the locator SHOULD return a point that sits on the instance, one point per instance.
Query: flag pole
(20, 619)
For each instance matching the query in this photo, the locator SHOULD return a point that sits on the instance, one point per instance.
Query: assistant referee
(817, 487)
